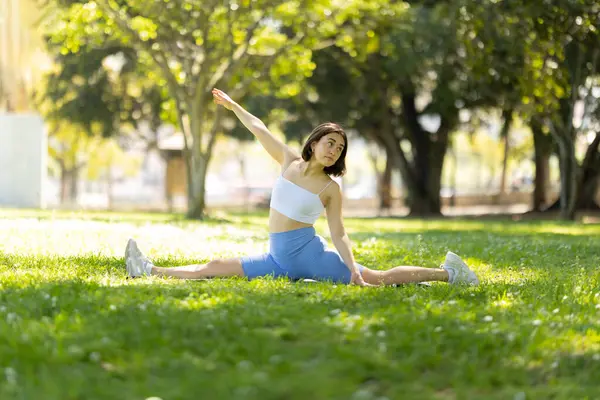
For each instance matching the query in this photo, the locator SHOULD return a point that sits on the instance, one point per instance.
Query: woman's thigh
(260, 265)
(329, 266)
(320, 263)
(224, 267)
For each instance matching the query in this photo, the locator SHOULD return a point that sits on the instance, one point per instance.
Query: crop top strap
(325, 186)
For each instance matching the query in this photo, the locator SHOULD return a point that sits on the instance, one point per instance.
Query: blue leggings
(298, 254)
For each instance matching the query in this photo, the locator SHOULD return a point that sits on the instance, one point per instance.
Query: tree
(399, 75)
(552, 54)
(507, 118)
(108, 160)
(104, 89)
(78, 155)
(579, 181)
(543, 149)
(575, 66)
(191, 47)
(66, 146)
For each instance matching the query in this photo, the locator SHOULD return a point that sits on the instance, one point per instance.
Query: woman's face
(328, 149)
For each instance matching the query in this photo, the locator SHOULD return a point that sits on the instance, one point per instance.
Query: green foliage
(83, 93)
(191, 40)
(370, 65)
(107, 154)
(106, 88)
(73, 326)
(189, 47)
(529, 49)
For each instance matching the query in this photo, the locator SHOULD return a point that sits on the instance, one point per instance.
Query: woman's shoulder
(289, 161)
(330, 187)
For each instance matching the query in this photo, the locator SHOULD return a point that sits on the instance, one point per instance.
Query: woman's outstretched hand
(357, 279)
(222, 98)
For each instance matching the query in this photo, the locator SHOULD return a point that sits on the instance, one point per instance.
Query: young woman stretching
(301, 193)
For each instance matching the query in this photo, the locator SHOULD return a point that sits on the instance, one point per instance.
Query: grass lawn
(73, 327)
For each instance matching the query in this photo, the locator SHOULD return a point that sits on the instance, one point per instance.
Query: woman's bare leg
(215, 268)
(138, 264)
(404, 274)
(454, 271)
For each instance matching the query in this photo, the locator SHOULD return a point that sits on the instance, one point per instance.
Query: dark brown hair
(337, 169)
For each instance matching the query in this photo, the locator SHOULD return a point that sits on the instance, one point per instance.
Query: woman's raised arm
(275, 147)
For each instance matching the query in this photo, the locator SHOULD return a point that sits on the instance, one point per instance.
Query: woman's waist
(279, 223)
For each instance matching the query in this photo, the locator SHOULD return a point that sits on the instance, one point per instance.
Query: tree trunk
(74, 185)
(568, 178)
(422, 205)
(427, 200)
(200, 156)
(576, 182)
(197, 164)
(587, 185)
(385, 187)
(542, 150)
(428, 154)
(421, 173)
(453, 177)
(542, 180)
(589, 192)
(384, 181)
(417, 196)
(422, 185)
(565, 137)
(504, 165)
(196, 198)
(64, 184)
(507, 116)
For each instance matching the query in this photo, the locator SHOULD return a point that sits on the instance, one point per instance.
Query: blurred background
(452, 107)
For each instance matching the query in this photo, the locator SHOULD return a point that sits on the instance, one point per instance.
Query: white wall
(23, 160)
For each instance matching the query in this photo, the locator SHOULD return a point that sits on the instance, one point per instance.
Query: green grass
(72, 326)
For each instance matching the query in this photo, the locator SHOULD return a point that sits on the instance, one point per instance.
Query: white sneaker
(136, 263)
(458, 272)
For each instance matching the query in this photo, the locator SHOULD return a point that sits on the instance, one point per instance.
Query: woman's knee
(226, 267)
(217, 262)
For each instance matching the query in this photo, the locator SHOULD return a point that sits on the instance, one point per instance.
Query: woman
(301, 193)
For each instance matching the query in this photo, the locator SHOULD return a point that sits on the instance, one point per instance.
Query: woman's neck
(311, 168)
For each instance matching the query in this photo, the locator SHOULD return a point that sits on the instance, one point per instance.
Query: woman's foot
(458, 272)
(136, 263)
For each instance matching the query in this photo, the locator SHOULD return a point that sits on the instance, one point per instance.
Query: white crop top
(295, 202)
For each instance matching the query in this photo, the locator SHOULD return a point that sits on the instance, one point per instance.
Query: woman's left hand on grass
(358, 280)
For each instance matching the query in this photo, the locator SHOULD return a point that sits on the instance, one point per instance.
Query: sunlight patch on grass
(573, 342)
(355, 324)
(72, 238)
